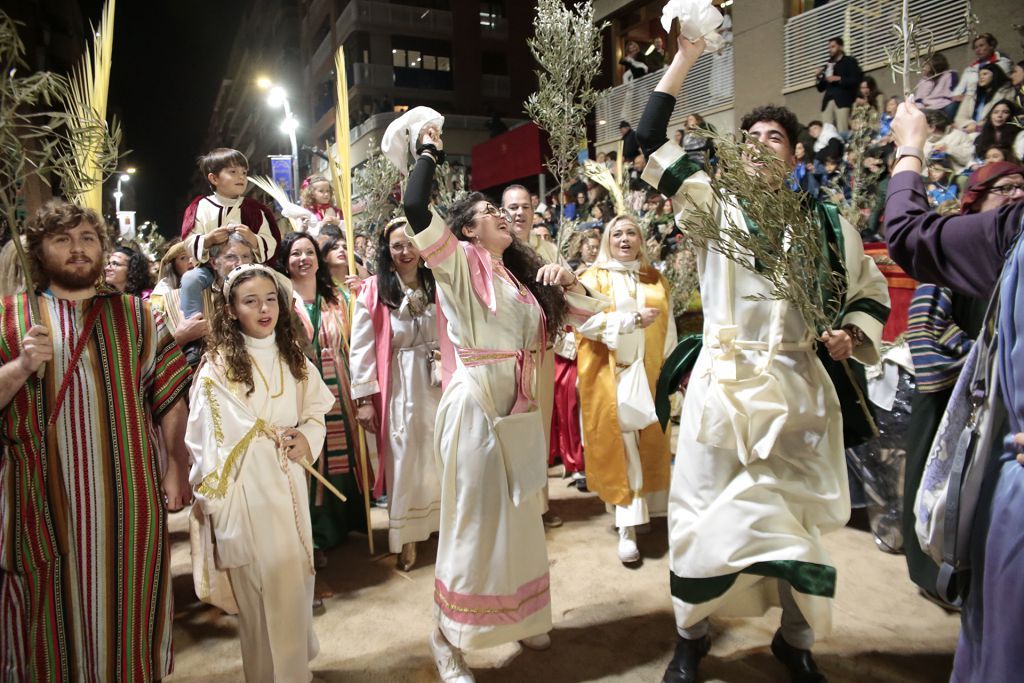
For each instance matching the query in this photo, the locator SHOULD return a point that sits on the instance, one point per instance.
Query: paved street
(611, 623)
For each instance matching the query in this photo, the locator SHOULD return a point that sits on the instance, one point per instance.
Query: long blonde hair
(604, 255)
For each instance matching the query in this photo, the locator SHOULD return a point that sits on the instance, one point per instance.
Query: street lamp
(123, 178)
(277, 97)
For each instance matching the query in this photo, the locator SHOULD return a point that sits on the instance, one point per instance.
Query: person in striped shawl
(85, 589)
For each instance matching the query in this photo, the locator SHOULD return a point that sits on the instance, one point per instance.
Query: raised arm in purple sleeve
(964, 253)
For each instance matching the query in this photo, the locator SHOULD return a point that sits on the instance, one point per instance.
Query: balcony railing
(393, 18)
(373, 75)
(708, 89)
(866, 27)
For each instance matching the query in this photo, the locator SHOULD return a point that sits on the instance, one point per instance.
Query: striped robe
(333, 519)
(85, 594)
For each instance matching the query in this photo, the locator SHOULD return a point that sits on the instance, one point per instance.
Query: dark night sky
(169, 58)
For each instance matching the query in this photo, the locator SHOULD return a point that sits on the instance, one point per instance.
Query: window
(490, 13)
(421, 54)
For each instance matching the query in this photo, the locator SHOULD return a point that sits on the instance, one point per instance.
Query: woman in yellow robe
(621, 351)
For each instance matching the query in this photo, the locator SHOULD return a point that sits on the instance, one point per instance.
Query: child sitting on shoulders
(318, 198)
(210, 220)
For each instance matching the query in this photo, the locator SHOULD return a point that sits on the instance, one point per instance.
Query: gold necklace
(280, 375)
(502, 272)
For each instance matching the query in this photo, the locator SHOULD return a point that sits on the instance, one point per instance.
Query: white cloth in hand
(400, 138)
(697, 18)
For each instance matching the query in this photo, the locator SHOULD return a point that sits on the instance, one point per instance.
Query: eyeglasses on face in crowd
(492, 210)
(1007, 190)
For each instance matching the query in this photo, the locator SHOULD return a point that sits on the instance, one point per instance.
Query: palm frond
(87, 104)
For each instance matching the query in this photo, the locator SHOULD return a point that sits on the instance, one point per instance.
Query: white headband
(229, 281)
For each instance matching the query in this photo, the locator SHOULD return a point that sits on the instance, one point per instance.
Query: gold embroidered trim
(218, 427)
(427, 255)
(491, 610)
(266, 385)
(499, 355)
(215, 484)
(313, 419)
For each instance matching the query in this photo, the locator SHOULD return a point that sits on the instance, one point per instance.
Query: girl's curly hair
(306, 196)
(521, 261)
(227, 347)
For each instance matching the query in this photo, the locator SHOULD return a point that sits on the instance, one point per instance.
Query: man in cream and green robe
(760, 473)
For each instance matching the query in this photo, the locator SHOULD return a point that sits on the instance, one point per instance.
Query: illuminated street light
(123, 178)
(277, 97)
(290, 125)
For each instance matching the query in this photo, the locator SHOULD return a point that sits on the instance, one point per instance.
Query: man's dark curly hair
(776, 114)
(520, 259)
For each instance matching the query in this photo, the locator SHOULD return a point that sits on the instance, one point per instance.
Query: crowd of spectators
(845, 156)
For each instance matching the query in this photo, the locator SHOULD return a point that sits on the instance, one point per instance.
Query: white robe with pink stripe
(491, 582)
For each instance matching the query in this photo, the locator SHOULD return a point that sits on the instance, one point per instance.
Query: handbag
(964, 445)
(634, 403)
(521, 443)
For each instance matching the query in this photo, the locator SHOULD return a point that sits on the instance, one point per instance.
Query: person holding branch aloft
(760, 473)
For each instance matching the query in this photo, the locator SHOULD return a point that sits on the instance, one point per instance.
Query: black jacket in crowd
(844, 92)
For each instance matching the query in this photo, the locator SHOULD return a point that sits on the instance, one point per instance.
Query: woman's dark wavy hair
(999, 79)
(324, 283)
(228, 346)
(139, 279)
(389, 285)
(990, 136)
(521, 261)
(873, 91)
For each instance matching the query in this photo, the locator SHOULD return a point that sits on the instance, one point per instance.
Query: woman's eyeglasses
(491, 210)
(1007, 190)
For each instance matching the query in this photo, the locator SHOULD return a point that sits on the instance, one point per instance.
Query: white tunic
(414, 491)
(760, 473)
(492, 582)
(257, 504)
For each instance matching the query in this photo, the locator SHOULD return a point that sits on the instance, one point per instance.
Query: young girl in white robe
(257, 409)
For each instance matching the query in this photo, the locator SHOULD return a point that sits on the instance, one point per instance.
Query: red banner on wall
(514, 154)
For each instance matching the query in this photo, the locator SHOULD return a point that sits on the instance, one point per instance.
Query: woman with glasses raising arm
(500, 304)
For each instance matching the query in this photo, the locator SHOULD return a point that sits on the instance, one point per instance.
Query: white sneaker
(407, 558)
(539, 642)
(450, 665)
(628, 552)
